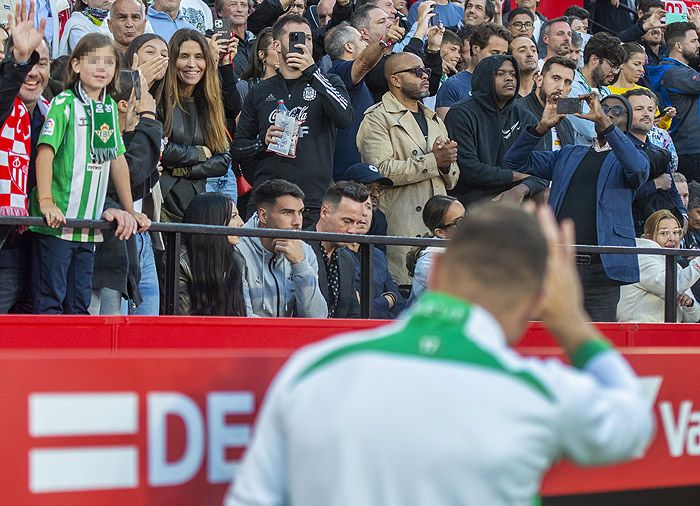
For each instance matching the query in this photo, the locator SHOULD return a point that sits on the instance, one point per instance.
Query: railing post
(671, 289)
(172, 270)
(366, 273)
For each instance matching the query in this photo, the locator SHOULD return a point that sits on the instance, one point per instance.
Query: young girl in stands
(79, 148)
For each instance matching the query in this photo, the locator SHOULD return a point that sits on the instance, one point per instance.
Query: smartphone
(676, 17)
(569, 105)
(294, 39)
(134, 77)
(223, 28)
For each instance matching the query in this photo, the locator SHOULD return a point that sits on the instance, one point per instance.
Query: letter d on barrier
(160, 471)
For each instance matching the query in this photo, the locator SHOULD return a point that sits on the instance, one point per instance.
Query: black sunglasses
(418, 71)
(615, 110)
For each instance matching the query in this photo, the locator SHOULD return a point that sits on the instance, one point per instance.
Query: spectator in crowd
(579, 13)
(418, 157)
(352, 60)
(211, 281)
(465, 52)
(577, 26)
(478, 12)
(602, 58)
(24, 75)
(166, 17)
(88, 17)
(691, 240)
(660, 191)
(148, 53)
(415, 414)
(55, 14)
(681, 187)
(319, 100)
(320, 15)
(678, 85)
(387, 300)
(576, 53)
(442, 215)
(521, 22)
(263, 64)
(198, 13)
(237, 12)
(126, 269)
(484, 126)
(554, 81)
(594, 187)
(126, 21)
(341, 211)
(488, 39)
(524, 52)
(539, 18)
(62, 257)
(644, 301)
(281, 274)
(448, 13)
(654, 46)
(194, 122)
(450, 52)
(645, 23)
(376, 185)
(556, 38)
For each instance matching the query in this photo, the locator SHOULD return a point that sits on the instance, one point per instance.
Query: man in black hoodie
(484, 126)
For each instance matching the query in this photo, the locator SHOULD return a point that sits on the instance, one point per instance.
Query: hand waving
(25, 35)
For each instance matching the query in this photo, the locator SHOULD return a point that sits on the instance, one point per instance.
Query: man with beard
(602, 58)
(24, 74)
(524, 51)
(484, 126)
(408, 143)
(677, 82)
(555, 81)
(556, 37)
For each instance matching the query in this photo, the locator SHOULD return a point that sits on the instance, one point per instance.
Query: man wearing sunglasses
(594, 186)
(408, 143)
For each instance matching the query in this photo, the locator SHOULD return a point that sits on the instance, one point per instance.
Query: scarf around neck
(95, 14)
(102, 123)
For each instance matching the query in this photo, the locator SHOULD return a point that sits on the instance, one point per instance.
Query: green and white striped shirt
(78, 186)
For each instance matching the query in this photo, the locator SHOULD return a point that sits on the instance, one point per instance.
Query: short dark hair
(450, 37)
(520, 10)
(640, 92)
(676, 32)
(348, 189)
(558, 60)
(282, 23)
(488, 239)
(577, 12)
(268, 192)
(604, 46)
(465, 33)
(646, 5)
(360, 18)
(483, 33)
(548, 25)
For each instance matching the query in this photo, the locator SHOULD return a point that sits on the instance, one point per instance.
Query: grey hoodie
(278, 288)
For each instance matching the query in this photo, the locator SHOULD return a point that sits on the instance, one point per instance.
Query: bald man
(127, 20)
(418, 157)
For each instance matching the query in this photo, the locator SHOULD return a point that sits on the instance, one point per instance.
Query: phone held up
(134, 77)
(223, 28)
(294, 39)
(569, 106)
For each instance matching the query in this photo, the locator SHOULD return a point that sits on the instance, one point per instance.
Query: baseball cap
(365, 173)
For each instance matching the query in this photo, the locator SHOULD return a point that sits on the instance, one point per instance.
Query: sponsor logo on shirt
(49, 127)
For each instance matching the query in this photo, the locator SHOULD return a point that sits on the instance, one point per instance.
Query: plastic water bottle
(287, 123)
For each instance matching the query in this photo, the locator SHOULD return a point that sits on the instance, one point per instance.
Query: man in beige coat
(408, 143)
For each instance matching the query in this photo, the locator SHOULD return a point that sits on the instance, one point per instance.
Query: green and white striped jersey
(435, 410)
(78, 186)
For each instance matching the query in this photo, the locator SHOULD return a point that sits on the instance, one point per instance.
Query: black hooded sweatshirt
(484, 133)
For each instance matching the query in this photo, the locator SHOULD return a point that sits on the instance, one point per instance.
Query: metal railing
(172, 233)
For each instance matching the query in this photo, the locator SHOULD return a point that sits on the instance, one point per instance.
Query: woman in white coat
(644, 301)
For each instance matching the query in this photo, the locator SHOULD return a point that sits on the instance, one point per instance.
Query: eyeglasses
(519, 25)
(665, 233)
(418, 71)
(375, 190)
(615, 110)
(614, 68)
(453, 223)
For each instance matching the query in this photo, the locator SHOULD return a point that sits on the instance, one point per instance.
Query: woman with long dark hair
(263, 63)
(211, 283)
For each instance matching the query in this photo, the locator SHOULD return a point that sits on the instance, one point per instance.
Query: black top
(422, 123)
(579, 203)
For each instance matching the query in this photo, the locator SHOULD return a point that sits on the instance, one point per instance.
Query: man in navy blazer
(594, 186)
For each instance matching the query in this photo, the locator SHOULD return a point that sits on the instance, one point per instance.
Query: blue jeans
(148, 286)
(225, 184)
(61, 275)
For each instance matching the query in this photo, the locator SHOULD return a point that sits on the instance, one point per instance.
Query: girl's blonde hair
(207, 93)
(89, 43)
(651, 226)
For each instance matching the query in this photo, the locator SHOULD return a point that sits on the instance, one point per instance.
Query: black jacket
(484, 133)
(348, 304)
(565, 130)
(322, 103)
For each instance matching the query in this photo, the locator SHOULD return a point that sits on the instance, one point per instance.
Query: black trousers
(600, 293)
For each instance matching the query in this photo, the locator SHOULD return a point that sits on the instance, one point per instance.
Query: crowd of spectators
(403, 117)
